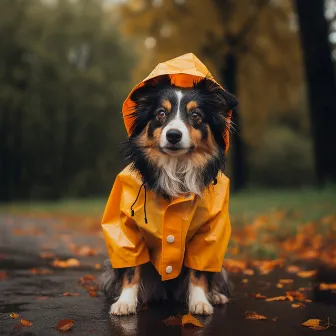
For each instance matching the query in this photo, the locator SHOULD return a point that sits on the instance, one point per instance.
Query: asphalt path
(43, 292)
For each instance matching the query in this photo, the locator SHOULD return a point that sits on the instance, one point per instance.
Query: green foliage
(64, 72)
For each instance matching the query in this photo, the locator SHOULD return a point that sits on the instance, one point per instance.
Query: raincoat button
(170, 239)
(169, 269)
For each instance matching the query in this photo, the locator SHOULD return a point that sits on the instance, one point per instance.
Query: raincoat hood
(183, 71)
(141, 226)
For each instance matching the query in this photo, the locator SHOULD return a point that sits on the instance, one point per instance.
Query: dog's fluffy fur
(177, 146)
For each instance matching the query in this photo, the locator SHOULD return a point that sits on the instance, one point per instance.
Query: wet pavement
(32, 286)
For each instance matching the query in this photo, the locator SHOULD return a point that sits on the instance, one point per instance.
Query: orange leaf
(72, 262)
(249, 271)
(40, 271)
(286, 281)
(279, 285)
(65, 325)
(297, 305)
(277, 298)
(47, 255)
(14, 315)
(293, 269)
(70, 294)
(25, 323)
(254, 316)
(327, 286)
(315, 324)
(3, 275)
(306, 274)
(245, 281)
(93, 293)
(259, 296)
(189, 319)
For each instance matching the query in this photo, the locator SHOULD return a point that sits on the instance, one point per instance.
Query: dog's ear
(224, 97)
(151, 86)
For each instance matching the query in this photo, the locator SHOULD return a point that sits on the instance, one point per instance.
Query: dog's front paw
(200, 308)
(123, 308)
(218, 298)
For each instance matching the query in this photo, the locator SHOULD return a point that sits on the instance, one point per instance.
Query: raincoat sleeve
(125, 243)
(206, 249)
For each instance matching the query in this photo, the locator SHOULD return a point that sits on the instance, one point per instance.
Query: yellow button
(170, 239)
(169, 269)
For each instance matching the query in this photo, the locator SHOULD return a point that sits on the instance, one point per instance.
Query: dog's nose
(174, 136)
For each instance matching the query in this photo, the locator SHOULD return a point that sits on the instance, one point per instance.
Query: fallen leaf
(254, 316)
(14, 315)
(189, 319)
(249, 271)
(3, 275)
(245, 281)
(93, 293)
(277, 298)
(87, 279)
(286, 281)
(84, 251)
(70, 294)
(172, 321)
(97, 266)
(72, 262)
(306, 274)
(327, 286)
(41, 271)
(297, 305)
(293, 269)
(25, 323)
(65, 325)
(297, 295)
(279, 285)
(315, 324)
(42, 297)
(47, 255)
(259, 296)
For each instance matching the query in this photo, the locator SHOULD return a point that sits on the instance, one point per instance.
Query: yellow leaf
(277, 298)
(297, 305)
(189, 319)
(315, 324)
(14, 315)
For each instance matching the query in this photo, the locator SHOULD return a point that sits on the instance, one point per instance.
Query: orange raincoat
(189, 230)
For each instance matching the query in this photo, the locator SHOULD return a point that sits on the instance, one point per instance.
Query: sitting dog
(166, 222)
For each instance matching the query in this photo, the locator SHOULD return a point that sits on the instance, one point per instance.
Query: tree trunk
(229, 78)
(321, 86)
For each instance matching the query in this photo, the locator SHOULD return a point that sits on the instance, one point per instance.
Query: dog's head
(181, 127)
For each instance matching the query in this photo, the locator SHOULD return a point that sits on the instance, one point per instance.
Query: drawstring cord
(132, 211)
(145, 201)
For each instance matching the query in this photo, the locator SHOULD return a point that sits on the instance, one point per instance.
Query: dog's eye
(160, 113)
(196, 116)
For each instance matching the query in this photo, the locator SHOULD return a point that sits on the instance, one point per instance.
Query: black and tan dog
(166, 222)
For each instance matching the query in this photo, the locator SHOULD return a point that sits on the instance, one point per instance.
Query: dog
(176, 145)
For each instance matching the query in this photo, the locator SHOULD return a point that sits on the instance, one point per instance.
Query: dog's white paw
(123, 308)
(218, 298)
(201, 308)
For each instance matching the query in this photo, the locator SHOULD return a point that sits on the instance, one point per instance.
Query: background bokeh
(67, 65)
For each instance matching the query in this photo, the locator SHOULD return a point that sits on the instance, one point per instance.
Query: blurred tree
(321, 84)
(63, 74)
(252, 46)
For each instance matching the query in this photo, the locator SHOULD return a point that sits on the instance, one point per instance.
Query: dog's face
(177, 130)
(173, 121)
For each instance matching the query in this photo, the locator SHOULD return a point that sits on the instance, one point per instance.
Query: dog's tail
(109, 282)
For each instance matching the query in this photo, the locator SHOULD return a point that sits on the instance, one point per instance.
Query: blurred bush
(284, 158)
(64, 71)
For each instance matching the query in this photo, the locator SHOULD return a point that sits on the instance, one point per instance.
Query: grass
(244, 206)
